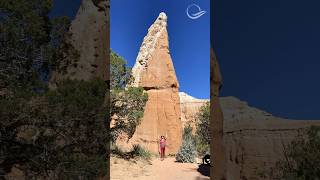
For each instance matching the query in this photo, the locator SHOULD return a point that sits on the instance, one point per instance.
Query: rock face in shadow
(218, 171)
(90, 37)
(154, 72)
(254, 139)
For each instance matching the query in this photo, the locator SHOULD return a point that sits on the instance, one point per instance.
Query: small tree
(127, 108)
(32, 44)
(54, 134)
(119, 72)
(127, 104)
(187, 151)
(203, 129)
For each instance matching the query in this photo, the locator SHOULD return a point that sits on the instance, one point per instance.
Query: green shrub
(203, 123)
(202, 149)
(203, 130)
(139, 151)
(127, 104)
(116, 150)
(119, 72)
(49, 134)
(187, 151)
(66, 127)
(301, 158)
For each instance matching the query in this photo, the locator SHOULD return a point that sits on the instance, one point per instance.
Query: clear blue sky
(189, 40)
(268, 50)
(269, 54)
(65, 8)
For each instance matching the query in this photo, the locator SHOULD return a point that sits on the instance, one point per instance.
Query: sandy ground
(156, 170)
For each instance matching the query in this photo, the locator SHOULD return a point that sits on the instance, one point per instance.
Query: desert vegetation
(196, 145)
(203, 130)
(301, 157)
(127, 104)
(47, 133)
(127, 107)
(187, 151)
(137, 152)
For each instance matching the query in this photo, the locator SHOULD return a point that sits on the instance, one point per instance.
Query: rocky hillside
(189, 107)
(254, 139)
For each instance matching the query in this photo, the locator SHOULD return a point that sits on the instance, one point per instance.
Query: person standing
(162, 147)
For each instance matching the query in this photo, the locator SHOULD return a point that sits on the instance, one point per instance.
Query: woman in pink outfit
(162, 147)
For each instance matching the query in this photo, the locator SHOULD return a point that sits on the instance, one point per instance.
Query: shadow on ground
(204, 169)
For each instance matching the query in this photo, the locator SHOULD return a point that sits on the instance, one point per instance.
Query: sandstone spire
(154, 72)
(154, 67)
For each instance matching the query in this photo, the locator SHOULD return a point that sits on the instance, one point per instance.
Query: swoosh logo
(197, 14)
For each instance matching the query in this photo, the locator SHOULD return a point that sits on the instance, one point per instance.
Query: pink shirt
(162, 143)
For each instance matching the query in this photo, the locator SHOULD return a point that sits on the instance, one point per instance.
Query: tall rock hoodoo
(154, 72)
(90, 37)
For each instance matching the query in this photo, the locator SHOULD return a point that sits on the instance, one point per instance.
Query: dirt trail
(157, 170)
